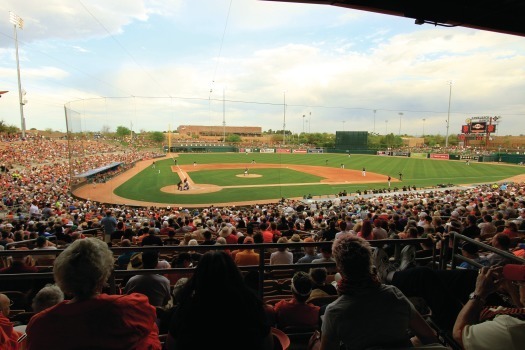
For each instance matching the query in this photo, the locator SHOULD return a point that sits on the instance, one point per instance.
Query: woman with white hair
(91, 319)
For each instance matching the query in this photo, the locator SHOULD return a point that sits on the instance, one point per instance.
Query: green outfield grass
(146, 185)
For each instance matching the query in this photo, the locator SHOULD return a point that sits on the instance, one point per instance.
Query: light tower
(17, 21)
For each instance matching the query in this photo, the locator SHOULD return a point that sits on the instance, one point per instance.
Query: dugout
(351, 140)
(95, 174)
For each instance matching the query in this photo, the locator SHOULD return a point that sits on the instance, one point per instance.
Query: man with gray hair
(46, 297)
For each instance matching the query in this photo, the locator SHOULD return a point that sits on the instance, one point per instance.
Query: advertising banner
(315, 150)
(401, 154)
(267, 150)
(299, 151)
(439, 156)
(381, 153)
(282, 150)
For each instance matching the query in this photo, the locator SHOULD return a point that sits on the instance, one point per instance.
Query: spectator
(8, 336)
(152, 285)
(46, 297)
(119, 321)
(320, 288)
(247, 257)
(296, 313)
(363, 298)
(326, 257)
(109, 224)
(504, 331)
(309, 252)
(218, 294)
(282, 256)
(470, 250)
(152, 239)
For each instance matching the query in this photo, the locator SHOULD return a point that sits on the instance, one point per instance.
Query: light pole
(284, 118)
(223, 115)
(375, 120)
(400, 116)
(448, 117)
(17, 21)
(424, 127)
(310, 124)
(303, 122)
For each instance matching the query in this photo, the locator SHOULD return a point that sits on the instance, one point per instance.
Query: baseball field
(239, 178)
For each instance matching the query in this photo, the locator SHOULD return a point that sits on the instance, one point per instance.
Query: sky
(152, 65)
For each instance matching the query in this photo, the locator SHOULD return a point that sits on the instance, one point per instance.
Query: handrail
(261, 267)
(459, 237)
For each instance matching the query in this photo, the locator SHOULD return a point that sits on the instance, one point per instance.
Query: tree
(233, 138)
(156, 136)
(122, 131)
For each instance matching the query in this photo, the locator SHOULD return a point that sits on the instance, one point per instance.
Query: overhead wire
(124, 49)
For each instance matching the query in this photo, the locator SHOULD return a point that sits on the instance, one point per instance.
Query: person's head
(150, 259)
(82, 268)
(366, 229)
(220, 241)
(469, 250)
(353, 258)
(225, 232)
(258, 237)
(207, 235)
(41, 241)
(310, 250)
(501, 241)
(318, 275)
(5, 305)
(215, 277)
(326, 250)
(301, 286)
(511, 226)
(183, 259)
(125, 243)
(282, 240)
(48, 296)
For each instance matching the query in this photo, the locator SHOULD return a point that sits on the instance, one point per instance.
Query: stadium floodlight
(17, 21)
(448, 117)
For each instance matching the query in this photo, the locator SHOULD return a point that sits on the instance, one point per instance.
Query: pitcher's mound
(249, 175)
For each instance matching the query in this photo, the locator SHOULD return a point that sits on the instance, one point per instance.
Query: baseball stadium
(249, 235)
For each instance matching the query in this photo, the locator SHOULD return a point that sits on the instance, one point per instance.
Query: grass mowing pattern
(146, 185)
(269, 177)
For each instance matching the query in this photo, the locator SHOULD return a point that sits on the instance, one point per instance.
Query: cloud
(337, 64)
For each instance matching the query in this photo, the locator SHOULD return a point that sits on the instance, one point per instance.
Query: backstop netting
(75, 146)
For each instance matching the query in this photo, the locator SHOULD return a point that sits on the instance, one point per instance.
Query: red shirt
(291, 313)
(267, 236)
(103, 322)
(8, 336)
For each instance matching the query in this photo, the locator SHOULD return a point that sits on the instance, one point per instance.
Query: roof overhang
(502, 16)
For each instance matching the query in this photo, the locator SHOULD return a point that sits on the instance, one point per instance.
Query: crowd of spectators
(34, 178)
